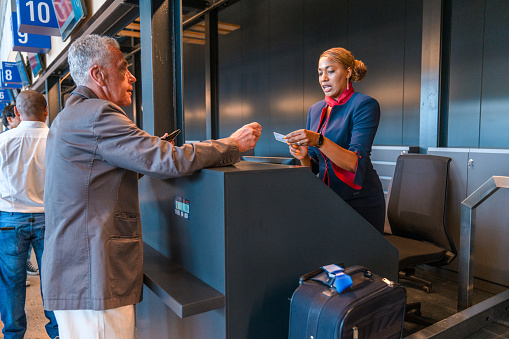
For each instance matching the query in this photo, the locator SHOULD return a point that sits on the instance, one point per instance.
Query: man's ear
(97, 76)
(16, 111)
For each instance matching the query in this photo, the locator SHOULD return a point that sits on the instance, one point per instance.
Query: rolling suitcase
(332, 303)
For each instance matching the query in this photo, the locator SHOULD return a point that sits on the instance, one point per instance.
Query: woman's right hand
(299, 152)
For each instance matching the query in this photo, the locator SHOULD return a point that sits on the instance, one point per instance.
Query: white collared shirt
(22, 169)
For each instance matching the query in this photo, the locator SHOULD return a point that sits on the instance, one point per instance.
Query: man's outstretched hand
(247, 136)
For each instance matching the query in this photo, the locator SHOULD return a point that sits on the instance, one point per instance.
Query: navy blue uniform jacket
(352, 126)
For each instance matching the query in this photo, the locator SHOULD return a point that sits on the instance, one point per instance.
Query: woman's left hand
(298, 152)
(302, 137)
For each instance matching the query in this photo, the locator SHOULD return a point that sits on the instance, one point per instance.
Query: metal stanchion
(467, 237)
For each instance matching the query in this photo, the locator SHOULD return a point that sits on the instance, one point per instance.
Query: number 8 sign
(10, 73)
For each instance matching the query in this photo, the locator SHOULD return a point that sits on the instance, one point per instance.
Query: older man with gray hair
(93, 267)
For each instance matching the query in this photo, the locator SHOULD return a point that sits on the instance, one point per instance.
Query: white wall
(6, 53)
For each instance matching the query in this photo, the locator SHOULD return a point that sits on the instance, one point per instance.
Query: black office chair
(416, 214)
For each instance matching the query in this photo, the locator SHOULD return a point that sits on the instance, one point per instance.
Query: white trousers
(116, 323)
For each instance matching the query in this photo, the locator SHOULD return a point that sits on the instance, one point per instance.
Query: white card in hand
(280, 137)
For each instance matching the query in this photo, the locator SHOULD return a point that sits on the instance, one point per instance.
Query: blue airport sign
(10, 86)
(37, 17)
(10, 73)
(26, 42)
(5, 96)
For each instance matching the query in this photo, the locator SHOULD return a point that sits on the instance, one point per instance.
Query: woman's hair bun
(359, 71)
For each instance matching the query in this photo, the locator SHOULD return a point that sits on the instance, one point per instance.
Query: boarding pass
(280, 137)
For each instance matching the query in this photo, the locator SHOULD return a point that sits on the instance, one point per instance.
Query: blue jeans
(17, 232)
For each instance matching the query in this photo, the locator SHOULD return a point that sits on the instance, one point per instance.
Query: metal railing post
(467, 237)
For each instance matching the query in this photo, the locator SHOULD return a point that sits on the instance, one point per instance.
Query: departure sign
(5, 96)
(37, 17)
(10, 86)
(26, 42)
(10, 73)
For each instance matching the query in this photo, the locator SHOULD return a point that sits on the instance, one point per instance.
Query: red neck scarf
(343, 98)
(343, 175)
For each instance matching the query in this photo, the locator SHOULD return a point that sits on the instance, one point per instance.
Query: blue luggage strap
(337, 278)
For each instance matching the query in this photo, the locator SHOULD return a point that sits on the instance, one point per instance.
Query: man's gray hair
(87, 51)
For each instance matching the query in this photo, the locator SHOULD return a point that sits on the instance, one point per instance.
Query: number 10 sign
(37, 17)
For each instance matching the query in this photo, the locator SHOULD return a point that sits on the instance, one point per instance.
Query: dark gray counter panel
(253, 229)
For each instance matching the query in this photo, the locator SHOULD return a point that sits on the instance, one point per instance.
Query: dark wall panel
(255, 68)
(230, 73)
(412, 72)
(376, 32)
(465, 72)
(194, 92)
(478, 88)
(495, 82)
(286, 67)
(321, 32)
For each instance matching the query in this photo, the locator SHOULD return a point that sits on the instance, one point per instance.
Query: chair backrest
(417, 203)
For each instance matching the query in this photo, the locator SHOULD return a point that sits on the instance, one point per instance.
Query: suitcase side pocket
(378, 318)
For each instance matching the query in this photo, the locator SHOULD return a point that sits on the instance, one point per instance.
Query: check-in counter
(225, 247)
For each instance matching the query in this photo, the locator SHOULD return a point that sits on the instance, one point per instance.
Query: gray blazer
(93, 244)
